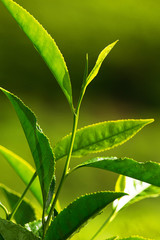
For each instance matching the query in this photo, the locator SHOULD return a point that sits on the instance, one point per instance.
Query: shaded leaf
(44, 44)
(39, 145)
(136, 190)
(26, 211)
(11, 231)
(100, 137)
(24, 170)
(34, 227)
(78, 213)
(144, 171)
(99, 62)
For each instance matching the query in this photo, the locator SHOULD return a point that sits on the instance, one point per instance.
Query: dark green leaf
(1, 238)
(44, 44)
(77, 214)
(147, 172)
(136, 190)
(24, 170)
(100, 137)
(39, 145)
(26, 211)
(99, 62)
(34, 227)
(11, 231)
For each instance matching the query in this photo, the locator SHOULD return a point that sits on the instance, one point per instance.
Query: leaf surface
(26, 211)
(39, 146)
(99, 137)
(136, 190)
(34, 227)
(24, 170)
(148, 172)
(134, 238)
(78, 213)
(99, 62)
(11, 231)
(44, 44)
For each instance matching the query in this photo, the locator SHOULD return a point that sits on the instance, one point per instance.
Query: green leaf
(144, 171)
(26, 211)
(134, 238)
(24, 170)
(34, 226)
(100, 137)
(136, 190)
(78, 213)
(11, 231)
(99, 62)
(44, 44)
(1, 238)
(39, 145)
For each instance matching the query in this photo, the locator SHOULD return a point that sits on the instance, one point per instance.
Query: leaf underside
(77, 214)
(44, 44)
(39, 146)
(99, 137)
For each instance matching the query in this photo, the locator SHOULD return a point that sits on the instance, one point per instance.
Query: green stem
(5, 210)
(66, 168)
(11, 215)
(107, 221)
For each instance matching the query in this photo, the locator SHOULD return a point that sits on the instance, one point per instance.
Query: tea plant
(22, 220)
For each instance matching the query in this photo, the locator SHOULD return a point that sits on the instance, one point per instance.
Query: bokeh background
(127, 86)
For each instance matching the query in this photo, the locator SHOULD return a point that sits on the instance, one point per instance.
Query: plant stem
(66, 168)
(5, 210)
(10, 216)
(107, 221)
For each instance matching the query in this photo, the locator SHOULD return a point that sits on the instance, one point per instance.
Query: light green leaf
(99, 62)
(133, 238)
(77, 214)
(136, 190)
(39, 145)
(34, 227)
(11, 231)
(26, 211)
(148, 172)
(44, 44)
(24, 170)
(99, 137)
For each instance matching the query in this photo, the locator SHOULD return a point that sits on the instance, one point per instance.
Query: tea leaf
(44, 44)
(99, 62)
(100, 137)
(26, 212)
(39, 146)
(144, 171)
(78, 213)
(24, 170)
(11, 231)
(34, 227)
(136, 190)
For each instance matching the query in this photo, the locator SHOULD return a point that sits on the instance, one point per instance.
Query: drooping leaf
(148, 172)
(77, 214)
(99, 62)
(11, 231)
(39, 146)
(24, 170)
(136, 190)
(100, 137)
(44, 44)
(34, 227)
(26, 212)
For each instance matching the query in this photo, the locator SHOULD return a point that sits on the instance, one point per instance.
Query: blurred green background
(127, 86)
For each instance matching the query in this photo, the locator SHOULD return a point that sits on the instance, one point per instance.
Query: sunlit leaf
(34, 227)
(133, 238)
(39, 145)
(78, 213)
(100, 137)
(136, 190)
(24, 170)
(44, 44)
(99, 62)
(11, 231)
(26, 212)
(148, 172)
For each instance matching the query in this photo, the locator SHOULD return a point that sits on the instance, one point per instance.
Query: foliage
(55, 223)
